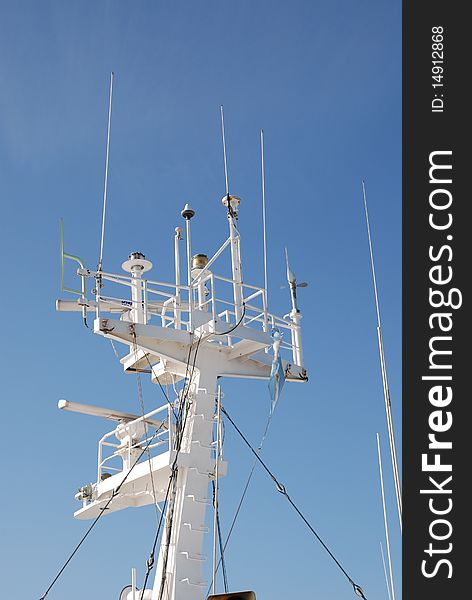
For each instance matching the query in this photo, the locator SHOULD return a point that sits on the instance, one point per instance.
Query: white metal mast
(212, 327)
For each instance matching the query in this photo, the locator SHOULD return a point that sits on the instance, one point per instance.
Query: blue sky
(324, 81)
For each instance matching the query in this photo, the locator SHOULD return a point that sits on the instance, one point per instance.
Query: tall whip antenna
(385, 572)
(105, 189)
(383, 367)
(224, 148)
(387, 537)
(264, 210)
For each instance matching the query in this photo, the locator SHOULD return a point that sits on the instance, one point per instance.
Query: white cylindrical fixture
(177, 316)
(137, 297)
(188, 213)
(297, 351)
(199, 263)
(137, 265)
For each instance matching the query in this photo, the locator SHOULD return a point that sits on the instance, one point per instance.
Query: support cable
(222, 555)
(241, 500)
(281, 488)
(114, 494)
(103, 510)
(166, 396)
(185, 409)
(221, 545)
(234, 326)
(181, 419)
(146, 429)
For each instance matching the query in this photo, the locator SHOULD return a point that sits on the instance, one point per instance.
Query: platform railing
(208, 292)
(155, 441)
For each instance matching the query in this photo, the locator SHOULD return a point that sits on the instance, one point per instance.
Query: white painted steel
(189, 273)
(217, 473)
(232, 203)
(106, 413)
(163, 350)
(177, 314)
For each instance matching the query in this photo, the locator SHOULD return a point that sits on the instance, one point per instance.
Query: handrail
(162, 437)
(173, 313)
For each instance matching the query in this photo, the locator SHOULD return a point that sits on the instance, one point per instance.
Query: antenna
(385, 572)
(383, 367)
(387, 537)
(264, 225)
(224, 148)
(105, 189)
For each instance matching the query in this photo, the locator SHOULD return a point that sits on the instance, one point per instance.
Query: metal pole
(236, 267)
(177, 239)
(215, 514)
(385, 572)
(264, 225)
(105, 190)
(189, 274)
(383, 367)
(133, 582)
(387, 537)
(223, 136)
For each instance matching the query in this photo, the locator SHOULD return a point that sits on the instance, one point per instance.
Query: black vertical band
(437, 236)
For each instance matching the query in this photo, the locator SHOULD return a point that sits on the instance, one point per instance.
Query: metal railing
(155, 440)
(176, 305)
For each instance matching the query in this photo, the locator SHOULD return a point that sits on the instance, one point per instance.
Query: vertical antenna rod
(383, 367)
(224, 148)
(105, 189)
(385, 572)
(264, 210)
(232, 205)
(387, 537)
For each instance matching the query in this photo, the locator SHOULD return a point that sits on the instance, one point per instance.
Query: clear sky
(324, 81)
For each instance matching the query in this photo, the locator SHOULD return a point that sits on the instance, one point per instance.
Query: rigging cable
(243, 495)
(234, 326)
(114, 493)
(222, 546)
(241, 500)
(166, 396)
(185, 408)
(281, 488)
(180, 427)
(146, 430)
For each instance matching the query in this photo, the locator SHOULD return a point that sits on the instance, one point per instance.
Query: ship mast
(189, 335)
